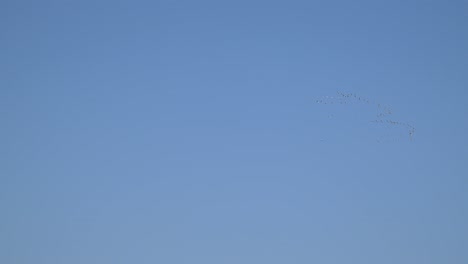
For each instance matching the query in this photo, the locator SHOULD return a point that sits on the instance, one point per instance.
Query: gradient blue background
(187, 132)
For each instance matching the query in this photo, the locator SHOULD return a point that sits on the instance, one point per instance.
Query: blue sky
(188, 132)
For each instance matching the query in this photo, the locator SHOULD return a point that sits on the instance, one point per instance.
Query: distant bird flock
(383, 115)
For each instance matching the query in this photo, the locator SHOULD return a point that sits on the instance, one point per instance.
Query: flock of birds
(383, 115)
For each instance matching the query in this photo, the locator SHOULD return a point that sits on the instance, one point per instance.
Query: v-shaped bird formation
(383, 113)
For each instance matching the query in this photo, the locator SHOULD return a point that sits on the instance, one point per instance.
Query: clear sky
(189, 132)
